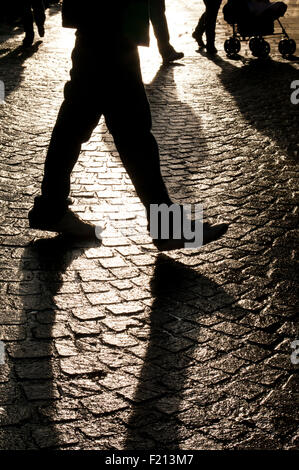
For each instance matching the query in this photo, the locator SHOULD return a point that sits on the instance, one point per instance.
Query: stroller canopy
(236, 11)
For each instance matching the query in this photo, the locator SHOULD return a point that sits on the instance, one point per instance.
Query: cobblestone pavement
(117, 346)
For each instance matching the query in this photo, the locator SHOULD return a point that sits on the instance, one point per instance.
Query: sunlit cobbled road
(117, 346)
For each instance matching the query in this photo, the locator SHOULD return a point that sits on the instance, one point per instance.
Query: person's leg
(211, 18)
(78, 116)
(160, 27)
(120, 94)
(27, 19)
(159, 23)
(39, 15)
(74, 125)
(200, 28)
(128, 118)
(201, 25)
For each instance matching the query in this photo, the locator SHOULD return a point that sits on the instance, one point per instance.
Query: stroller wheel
(287, 47)
(254, 45)
(232, 46)
(265, 50)
(259, 47)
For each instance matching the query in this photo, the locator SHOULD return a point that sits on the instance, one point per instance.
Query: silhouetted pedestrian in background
(32, 11)
(105, 80)
(207, 25)
(160, 27)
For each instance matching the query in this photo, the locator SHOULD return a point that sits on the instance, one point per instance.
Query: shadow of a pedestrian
(54, 8)
(262, 91)
(11, 23)
(33, 361)
(12, 66)
(183, 146)
(8, 31)
(176, 383)
(178, 130)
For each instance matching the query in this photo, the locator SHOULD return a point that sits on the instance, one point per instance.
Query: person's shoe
(198, 39)
(28, 39)
(69, 225)
(41, 30)
(172, 55)
(211, 50)
(210, 234)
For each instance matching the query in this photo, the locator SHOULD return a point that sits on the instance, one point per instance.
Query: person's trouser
(207, 22)
(160, 26)
(32, 10)
(105, 80)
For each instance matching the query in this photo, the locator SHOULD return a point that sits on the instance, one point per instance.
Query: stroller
(253, 19)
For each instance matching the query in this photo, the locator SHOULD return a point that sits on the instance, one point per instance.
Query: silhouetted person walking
(207, 24)
(111, 87)
(32, 11)
(160, 27)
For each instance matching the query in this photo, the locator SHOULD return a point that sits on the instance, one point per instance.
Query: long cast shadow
(12, 66)
(262, 91)
(183, 299)
(178, 160)
(174, 120)
(12, 61)
(32, 359)
(8, 30)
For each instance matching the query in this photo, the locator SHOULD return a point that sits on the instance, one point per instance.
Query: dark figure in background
(32, 11)
(112, 87)
(207, 24)
(160, 27)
